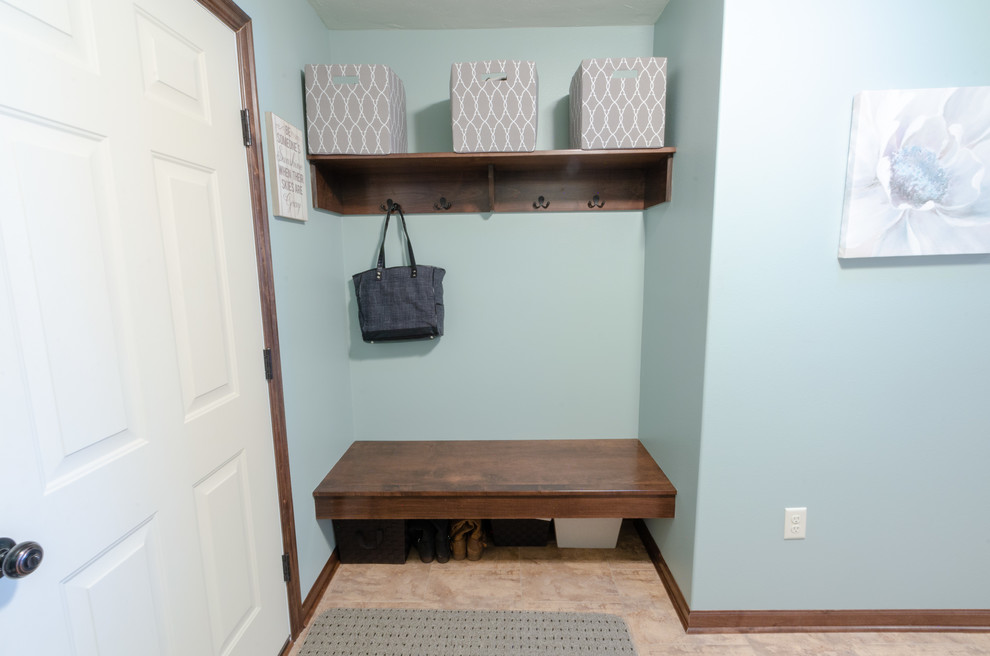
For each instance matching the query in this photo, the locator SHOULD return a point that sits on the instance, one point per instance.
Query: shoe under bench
(495, 479)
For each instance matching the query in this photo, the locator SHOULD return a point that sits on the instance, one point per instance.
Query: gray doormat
(391, 632)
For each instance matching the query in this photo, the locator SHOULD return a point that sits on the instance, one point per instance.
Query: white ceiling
(470, 14)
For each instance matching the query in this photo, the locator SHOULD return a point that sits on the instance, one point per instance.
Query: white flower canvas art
(918, 179)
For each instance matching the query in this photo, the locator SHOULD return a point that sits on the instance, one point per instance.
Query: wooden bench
(501, 479)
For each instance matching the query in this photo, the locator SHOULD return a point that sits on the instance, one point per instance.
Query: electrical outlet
(795, 523)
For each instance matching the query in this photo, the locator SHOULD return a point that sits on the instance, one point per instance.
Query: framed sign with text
(286, 162)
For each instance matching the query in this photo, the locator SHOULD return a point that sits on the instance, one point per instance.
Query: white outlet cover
(795, 523)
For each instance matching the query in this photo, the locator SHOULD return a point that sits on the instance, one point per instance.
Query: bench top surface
(607, 467)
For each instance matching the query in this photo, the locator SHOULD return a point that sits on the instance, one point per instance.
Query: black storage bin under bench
(371, 540)
(520, 532)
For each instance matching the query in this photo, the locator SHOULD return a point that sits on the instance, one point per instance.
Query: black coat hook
(442, 204)
(541, 203)
(387, 205)
(596, 202)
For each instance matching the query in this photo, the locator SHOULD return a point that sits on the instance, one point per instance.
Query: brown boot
(458, 538)
(476, 541)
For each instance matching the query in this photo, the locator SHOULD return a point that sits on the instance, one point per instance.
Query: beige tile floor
(620, 581)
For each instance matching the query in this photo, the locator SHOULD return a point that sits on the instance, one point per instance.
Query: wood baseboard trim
(320, 587)
(825, 621)
(808, 621)
(666, 576)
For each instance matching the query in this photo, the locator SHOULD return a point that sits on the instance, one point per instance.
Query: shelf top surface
(534, 159)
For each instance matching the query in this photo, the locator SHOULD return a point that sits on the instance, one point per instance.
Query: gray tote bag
(399, 303)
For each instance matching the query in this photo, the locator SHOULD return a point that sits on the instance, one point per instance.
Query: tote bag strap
(394, 207)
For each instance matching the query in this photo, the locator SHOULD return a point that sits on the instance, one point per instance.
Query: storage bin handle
(625, 73)
(363, 542)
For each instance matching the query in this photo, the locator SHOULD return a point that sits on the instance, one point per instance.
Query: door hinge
(286, 570)
(268, 364)
(246, 127)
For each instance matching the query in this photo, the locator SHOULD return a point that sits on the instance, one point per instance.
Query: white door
(136, 436)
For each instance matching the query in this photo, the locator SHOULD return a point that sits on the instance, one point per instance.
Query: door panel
(59, 27)
(174, 68)
(227, 537)
(192, 231)
(77, 394)
(130, 569)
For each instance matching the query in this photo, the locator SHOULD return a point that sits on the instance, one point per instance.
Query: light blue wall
(543, 311)
(857, 389)
(678, 245)
(772, 375)
(312, 309)
(422, 59)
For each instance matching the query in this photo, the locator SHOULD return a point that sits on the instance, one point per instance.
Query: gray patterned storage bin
(355, 109)
(493, 106)
(619, 103)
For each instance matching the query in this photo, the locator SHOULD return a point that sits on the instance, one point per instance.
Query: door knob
(19, 560)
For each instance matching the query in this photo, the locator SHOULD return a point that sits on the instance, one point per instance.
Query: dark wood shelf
(567, 180)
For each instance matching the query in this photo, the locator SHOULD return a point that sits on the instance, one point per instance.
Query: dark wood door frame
(232, 16)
